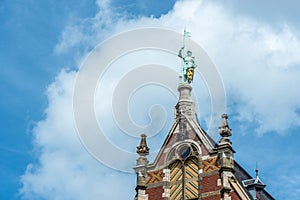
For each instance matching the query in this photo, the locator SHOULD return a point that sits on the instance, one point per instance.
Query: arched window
(184, 174)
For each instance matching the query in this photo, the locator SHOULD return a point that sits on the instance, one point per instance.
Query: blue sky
(255, 45)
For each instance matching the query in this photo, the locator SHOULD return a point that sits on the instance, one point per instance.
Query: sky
(254, 45)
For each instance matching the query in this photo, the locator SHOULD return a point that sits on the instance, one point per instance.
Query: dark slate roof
(242, 175)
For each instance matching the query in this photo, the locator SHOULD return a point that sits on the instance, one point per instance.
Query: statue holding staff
(188, 66)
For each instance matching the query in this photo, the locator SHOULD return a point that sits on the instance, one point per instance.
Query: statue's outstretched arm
(180, 52)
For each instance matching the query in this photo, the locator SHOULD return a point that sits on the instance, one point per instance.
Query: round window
(184, 151)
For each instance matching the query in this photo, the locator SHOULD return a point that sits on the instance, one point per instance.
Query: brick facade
(210, 183)
(155, 193)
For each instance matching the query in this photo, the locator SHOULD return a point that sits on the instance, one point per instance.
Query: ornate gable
(190, 165)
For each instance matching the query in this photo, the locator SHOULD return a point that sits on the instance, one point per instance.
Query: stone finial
(185, 108)
(143, 149)
(224, 129)
(184, 90)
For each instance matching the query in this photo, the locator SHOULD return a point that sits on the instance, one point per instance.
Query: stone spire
(184, 110)
(141, 169)
(225, 154)
(225, 131)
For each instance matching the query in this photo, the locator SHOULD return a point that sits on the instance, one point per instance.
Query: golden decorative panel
(154, 177)
(209, 165)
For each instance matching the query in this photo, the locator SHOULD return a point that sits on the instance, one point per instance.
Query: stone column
(225, 157)
(141, 169)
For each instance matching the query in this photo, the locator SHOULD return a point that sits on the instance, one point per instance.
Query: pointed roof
(184, 128)
(254, 182)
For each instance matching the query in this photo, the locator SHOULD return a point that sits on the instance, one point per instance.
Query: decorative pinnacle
(143, 149)
(224, 129)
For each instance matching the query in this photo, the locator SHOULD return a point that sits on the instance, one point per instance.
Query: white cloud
(261, 71)
(254, 59)
(259, 65)
(65, 170)
(89, 31)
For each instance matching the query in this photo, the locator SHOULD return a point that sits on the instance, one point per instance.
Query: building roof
(217, 172)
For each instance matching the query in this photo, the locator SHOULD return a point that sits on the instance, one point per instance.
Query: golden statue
(190, 74)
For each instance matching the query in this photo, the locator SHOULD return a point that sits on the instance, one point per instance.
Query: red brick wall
(155, 193)
(215, 197)
(234, 196)
(209, 183)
